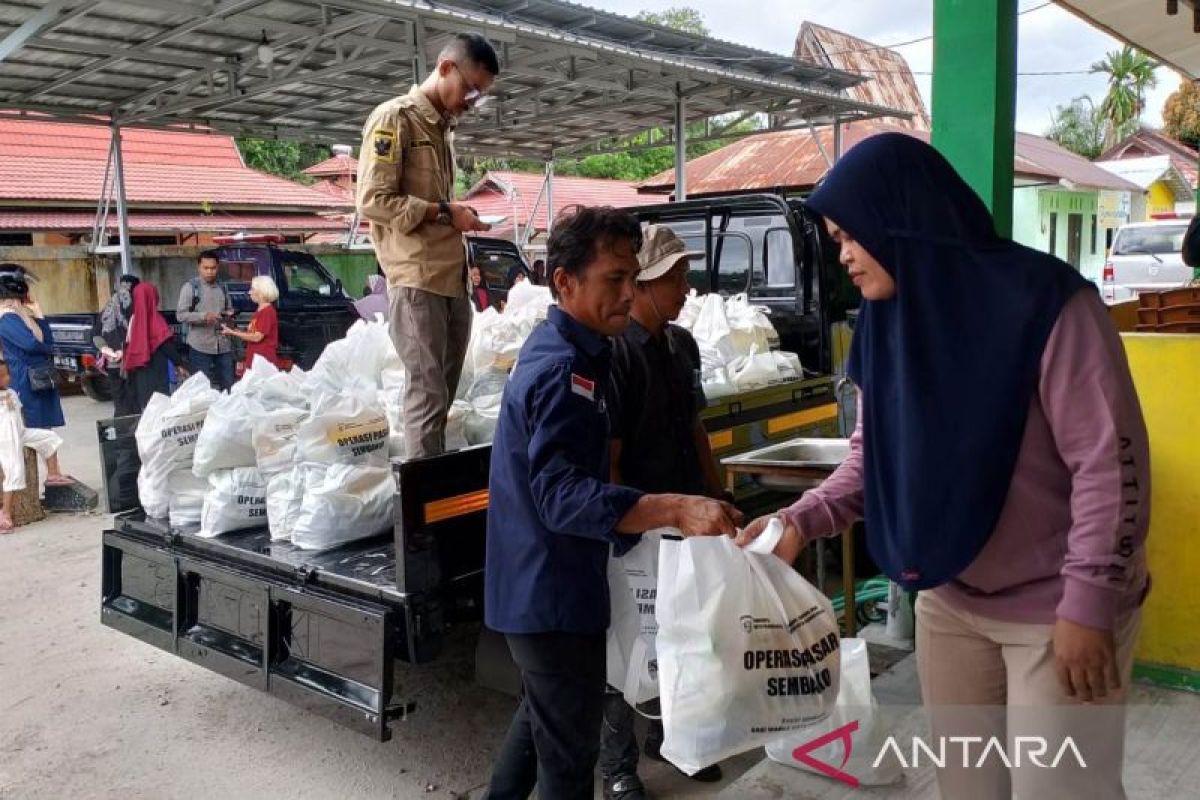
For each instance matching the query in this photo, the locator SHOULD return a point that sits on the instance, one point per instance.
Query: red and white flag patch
(583, 387)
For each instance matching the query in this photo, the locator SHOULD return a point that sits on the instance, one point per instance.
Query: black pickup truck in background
(342, 632)
(313, 311)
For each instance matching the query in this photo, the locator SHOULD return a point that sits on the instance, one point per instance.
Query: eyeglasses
(475, 97)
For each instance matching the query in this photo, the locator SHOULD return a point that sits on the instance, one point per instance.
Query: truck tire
(97, 387)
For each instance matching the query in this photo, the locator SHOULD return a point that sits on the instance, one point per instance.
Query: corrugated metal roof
(1147, 142)
(793, 161)
(83, 221)
(55, 161)
(1147, 170)
(570, 75)
(512, 195)
(889, 81)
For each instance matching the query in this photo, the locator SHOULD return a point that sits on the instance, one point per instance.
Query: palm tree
(1130, 74)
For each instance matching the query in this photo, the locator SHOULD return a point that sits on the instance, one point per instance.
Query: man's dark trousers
(554, 738)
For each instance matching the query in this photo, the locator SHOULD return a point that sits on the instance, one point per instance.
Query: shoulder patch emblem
(383, 145)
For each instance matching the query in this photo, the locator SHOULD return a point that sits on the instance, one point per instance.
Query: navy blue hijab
(947, 367)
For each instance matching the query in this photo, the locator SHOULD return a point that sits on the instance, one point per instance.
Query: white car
(1146, 257)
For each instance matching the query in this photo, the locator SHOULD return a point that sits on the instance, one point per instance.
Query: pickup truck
(341, 632)
(313, 310)
(496, 258)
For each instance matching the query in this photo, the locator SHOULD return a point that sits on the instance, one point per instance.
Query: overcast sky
(1050, 39)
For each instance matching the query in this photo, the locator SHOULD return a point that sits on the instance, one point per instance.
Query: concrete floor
(88, 712)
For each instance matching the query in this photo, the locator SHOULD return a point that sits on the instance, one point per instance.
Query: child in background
(14, 438)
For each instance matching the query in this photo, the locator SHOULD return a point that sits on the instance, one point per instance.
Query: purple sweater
(1070, 539)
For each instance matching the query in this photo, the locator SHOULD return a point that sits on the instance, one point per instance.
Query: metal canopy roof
(571, 76)
(1173, 39)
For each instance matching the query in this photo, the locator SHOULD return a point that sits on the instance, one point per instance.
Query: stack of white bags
(738, 345)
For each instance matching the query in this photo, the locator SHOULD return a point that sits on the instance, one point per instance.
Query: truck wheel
(97, 387)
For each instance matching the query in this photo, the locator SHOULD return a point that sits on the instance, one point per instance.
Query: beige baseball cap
(661, 251)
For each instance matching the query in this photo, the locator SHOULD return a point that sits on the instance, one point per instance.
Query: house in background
(181, 188)
(336, 176)
(1163, 168)
(1056, 196)
(519, 198)
(891, 81)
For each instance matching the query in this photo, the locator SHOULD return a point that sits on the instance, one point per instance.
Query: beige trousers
(986, 678)
(431, 333)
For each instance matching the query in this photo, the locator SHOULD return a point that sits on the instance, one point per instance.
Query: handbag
(41, 379)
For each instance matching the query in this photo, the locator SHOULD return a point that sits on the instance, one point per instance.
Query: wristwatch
(443, 217)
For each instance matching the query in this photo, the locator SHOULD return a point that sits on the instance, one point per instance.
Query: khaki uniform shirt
(405, 165)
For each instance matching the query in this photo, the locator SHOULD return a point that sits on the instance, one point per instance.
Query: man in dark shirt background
(554, 516)
(658, 445)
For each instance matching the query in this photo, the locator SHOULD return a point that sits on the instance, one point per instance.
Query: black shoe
(653, 751)
(653, 746)
(624, 787)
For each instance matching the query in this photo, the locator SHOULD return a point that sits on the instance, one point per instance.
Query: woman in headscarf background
(148, 348)
(1001, 464)
(110, 332)
(375, 302)
(28, 347)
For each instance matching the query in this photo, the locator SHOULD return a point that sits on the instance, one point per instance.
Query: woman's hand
(1086, 661)
(790, 544)
(34, 307)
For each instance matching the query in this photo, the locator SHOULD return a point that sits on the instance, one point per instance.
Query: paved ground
(87, 712)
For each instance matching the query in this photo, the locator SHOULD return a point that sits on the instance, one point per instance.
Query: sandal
(60, 480)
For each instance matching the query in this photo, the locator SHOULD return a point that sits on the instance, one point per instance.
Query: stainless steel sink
(794, 465)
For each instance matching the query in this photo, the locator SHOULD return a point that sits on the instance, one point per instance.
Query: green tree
(1181, 114)
(286, 159)
(1079, 127)
(1130, 74)
(683, 19)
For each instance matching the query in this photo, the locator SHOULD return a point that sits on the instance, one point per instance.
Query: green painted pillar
(975, 96)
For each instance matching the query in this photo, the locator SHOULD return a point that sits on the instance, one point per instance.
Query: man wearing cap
(658, 444)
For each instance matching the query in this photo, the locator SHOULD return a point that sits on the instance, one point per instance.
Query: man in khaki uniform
(405, 186)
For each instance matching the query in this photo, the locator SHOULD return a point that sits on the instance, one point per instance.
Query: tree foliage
(683, 19)
(1130, 75)
(283, 158)
(1181, 114)
(1079, 127)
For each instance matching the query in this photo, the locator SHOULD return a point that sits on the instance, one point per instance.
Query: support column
(837, 140)
(549, 197)
(975, 96)
(122, 209)
(680, 146)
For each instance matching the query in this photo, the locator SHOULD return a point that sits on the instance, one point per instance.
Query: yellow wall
(1166, 369)
(1159, 199)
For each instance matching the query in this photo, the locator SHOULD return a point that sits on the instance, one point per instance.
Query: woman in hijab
(28, 346)
(148, 348)
(1001, 465)
(375, 302)
(112, 328)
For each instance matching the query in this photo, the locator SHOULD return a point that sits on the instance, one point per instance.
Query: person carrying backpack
(204, 306)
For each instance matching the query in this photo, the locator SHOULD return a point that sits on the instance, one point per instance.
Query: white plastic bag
(186, 492)
(716, 383)
(484, 396)
(747, 649)
(632, 663)
(749, 326)
(343, 503)
(285, 493)
(227, 440)
(855, 704)
(495, 342)
(456, 425)
(712, 328)
(347, 428)
(788, 365)
(392, 403)
(274, 440)
(691, 310)
(236, 499)
(166, 439)
(755, 371)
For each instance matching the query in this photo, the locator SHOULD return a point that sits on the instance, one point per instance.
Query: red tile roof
(145, 221)
(490, 196)
(335, 166)
(338, 193)
(52, 161)
(791, 160)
